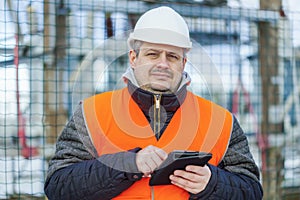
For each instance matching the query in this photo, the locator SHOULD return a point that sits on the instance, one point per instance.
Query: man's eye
(173, 57)
(152, 54)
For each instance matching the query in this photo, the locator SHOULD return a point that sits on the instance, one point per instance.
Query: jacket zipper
(152, 193)
(156, 125)
(157, 98)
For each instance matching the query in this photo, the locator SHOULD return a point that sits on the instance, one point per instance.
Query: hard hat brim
(159, 36)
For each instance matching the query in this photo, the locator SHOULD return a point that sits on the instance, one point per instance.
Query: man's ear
(132, 58)
(184, 62)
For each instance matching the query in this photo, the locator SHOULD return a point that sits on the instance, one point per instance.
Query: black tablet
(177, 160)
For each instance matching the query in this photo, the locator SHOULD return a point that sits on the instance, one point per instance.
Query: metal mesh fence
(55, 53)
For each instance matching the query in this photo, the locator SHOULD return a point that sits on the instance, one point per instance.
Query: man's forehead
(161, 47)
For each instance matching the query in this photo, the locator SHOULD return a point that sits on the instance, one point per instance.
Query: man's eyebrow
(151, 49)
(160, 50)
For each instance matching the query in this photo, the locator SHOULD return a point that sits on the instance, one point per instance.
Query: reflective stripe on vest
(116, 123)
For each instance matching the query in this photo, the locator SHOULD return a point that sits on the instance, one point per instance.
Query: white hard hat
(161, 25)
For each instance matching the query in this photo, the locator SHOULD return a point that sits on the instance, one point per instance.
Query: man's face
(158, 67)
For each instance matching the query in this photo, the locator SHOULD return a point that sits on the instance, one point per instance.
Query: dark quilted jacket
(77, 172)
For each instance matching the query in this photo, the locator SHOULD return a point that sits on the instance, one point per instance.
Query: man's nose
(163, 60)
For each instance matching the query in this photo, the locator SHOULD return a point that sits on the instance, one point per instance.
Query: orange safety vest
(116, 123)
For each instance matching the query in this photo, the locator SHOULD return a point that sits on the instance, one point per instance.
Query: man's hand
(193, 179)
(150, 158)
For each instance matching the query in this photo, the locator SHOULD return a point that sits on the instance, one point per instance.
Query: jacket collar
(145, 99)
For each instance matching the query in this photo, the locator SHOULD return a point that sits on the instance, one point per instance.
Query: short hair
(137, 46)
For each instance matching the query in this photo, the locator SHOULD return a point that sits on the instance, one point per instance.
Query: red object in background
(241, 94)
(26, 150)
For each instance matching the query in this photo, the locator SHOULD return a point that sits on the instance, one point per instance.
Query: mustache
(164, 71)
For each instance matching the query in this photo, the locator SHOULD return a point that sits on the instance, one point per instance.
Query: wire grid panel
(54, 55)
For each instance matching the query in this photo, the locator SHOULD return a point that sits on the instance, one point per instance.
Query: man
(115, 140)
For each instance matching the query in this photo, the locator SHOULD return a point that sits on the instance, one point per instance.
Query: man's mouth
(162, 74)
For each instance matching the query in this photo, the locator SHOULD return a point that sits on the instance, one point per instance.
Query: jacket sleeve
(237, 176)
(76, 171)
